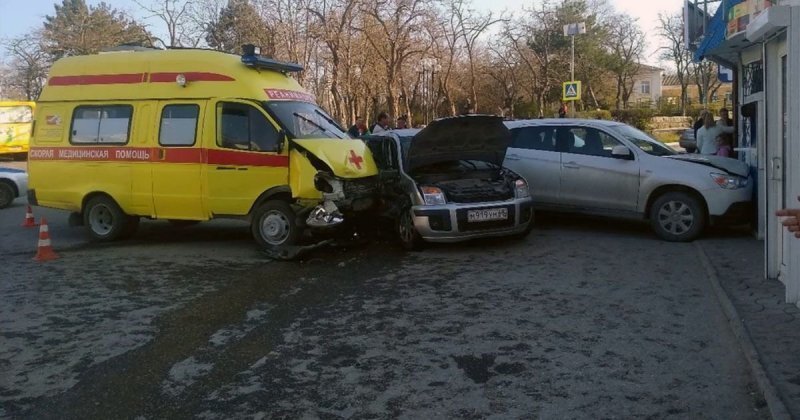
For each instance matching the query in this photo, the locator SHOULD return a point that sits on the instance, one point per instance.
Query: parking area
(584, 318)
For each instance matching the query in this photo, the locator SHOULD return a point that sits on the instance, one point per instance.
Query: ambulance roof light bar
(251, 56)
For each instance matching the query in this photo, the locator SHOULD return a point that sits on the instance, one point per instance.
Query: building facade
(646, 85)
(760, 40)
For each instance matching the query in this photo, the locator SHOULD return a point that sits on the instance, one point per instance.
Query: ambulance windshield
(305, 120)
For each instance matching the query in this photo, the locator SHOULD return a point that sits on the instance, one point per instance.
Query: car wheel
(105, 221)
(6, 195)
(274, 225)
(677, 217)
(407, 233)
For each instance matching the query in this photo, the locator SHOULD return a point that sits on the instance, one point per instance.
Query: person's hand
(791, 219)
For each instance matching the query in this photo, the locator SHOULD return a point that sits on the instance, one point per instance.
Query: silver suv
(609, 168)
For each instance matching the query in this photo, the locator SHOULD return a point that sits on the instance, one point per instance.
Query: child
(724, 145)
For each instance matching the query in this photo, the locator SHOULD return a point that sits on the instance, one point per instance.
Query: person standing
(708, 133)
(700, 121)
(358, 129)
(724, 118)
(562, 112)
(402, 122)
(724, 143)
(381, 124)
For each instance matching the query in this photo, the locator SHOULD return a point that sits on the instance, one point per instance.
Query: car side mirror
(621, 152)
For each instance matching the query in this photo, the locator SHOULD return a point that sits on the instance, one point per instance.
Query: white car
(13, 184)
(609, 168)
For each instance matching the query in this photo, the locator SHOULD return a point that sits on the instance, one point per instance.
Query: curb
(776, 407)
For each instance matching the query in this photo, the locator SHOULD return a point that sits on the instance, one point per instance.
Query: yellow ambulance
(16, 121)
(191, 135)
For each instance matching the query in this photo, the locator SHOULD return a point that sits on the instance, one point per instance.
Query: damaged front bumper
(339, 196)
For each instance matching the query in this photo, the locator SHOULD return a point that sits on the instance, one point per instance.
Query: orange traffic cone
(29, 219)
(44, 252)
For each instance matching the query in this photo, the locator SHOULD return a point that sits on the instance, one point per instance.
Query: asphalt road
(586, 318)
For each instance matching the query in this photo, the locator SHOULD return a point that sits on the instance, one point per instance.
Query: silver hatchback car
(446, 182)
(610, 168)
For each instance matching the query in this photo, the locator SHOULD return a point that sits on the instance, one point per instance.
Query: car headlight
(521, 189)
(729, 182)
(433, 196)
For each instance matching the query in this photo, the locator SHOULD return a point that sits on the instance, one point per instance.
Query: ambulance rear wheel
(274, 225)
(105, 221)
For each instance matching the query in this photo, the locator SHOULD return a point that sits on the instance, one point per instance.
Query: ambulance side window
(107, 124)
(243, 127)
(178, 125)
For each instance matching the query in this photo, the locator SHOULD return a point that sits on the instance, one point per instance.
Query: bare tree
(390, 32)
(181, 19)
(705, 78)
(625, 44)
(470, 25)
(335, 19)
(670, 29)
(28, 67)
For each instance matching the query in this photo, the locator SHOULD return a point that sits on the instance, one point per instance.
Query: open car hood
(469, 137)
(732, 166)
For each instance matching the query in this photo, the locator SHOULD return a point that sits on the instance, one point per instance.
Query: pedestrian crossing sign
(571, 91)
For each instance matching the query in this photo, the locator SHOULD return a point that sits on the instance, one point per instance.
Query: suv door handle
(572, 165)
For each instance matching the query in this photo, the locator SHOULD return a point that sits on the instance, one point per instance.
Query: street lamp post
(571, 30)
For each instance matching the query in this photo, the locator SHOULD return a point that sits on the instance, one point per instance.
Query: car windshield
(645, 142)
(305, 120)
(15, 114)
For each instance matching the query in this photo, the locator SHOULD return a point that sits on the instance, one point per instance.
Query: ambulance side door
(245, 158)
(177, 182)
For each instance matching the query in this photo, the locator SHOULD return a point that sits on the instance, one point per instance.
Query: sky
(20, 16)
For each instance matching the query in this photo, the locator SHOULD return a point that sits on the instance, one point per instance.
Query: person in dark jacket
(358, 129)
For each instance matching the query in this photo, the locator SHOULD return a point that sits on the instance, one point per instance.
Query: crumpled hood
(469, 137)
(732, 166)
(348, 158)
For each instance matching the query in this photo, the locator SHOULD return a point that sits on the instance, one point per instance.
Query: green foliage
(598, 114)
(637, 117)
(239, 23)
(667, 109)
(78, 29)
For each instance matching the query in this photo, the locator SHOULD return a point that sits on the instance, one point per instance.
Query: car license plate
(486, 215)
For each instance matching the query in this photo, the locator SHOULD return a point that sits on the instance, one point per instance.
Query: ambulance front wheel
(105, 221)
(274, 225)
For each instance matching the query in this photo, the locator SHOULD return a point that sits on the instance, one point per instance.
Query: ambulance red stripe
(191, 76)
(158, 155)
(97, 79)
(134, 78)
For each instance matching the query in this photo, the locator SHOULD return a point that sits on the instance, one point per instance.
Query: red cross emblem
(355, 159)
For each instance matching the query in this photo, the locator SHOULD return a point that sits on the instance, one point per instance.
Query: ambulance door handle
(226, 168)
(162, 154)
